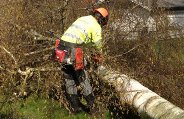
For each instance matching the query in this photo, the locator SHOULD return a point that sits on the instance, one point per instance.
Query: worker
(85, 31)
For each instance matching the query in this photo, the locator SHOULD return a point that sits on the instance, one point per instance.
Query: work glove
(98, 58)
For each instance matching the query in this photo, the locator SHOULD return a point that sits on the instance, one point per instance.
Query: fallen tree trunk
(147, 103)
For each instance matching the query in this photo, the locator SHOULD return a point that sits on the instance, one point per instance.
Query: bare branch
(1, 68)
(47, 69)
(31, 70)
(39, 51)
(7, 70)
(38, 36)
(66, 2)
(27, 72)
(10, 54)
(130, 50)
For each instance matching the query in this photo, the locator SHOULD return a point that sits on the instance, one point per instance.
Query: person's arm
(97, 40)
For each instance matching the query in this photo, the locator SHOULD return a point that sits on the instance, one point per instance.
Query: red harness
(60, 55)
(79, 59)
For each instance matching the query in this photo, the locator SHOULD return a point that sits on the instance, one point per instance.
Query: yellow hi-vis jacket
(85, 30)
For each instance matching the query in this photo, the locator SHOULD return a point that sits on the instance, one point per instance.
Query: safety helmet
(105, 15)
(102, 11)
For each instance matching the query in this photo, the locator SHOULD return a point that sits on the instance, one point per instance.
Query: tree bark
(147, 103)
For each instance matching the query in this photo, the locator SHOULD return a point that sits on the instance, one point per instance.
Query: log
(147, 103)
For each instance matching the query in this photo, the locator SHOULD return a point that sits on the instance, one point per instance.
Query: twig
(36, 52)
(141, 4)
(26, 72)
(130, 50)
(66, 2)
(9, 71)
(47, 69)
(38, 36)
(30, 70)
(65, 103)
(1, 68)
(10, 54)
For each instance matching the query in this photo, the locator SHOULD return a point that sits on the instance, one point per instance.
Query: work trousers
(74, 79)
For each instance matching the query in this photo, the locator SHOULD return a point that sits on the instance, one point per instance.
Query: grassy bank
(37, 108)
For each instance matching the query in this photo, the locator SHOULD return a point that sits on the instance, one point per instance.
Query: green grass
(40, 108)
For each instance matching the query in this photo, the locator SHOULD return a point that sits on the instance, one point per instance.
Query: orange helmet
(102, 11)
(104, 15)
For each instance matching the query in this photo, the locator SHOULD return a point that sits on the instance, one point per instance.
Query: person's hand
(98, 58)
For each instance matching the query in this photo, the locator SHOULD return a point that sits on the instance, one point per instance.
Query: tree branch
(130, 49)
(39, 51)
(38, 36)
(10, 54)
(31, 70)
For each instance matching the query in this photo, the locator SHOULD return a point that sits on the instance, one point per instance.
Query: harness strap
(74, 52)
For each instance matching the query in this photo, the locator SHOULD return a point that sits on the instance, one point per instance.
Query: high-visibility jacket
(85, 30)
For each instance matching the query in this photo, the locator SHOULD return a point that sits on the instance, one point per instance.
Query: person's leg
(86, 88)
(71, 88)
